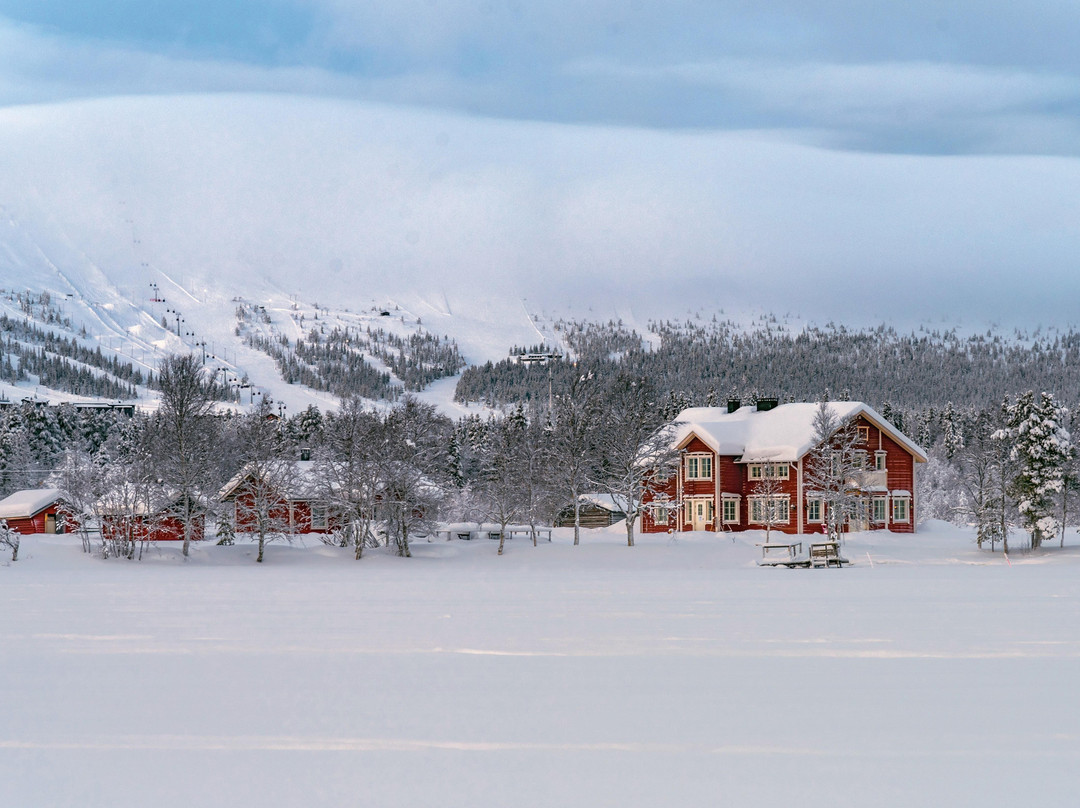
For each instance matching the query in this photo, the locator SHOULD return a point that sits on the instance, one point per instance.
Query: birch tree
(183, 434)
(833, 469)
(636, 453)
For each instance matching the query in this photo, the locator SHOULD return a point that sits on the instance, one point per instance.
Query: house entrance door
(701, 513)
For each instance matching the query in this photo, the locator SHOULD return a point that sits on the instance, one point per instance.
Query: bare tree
(267, 479)
(500, 488)
(10, 538)
(347, 469)
(184, 430)
(834, 469)
(412, 459)
(576, 418)
(766, 498)
(637, 455)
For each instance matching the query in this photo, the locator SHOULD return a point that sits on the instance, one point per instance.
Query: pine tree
(1042, 448)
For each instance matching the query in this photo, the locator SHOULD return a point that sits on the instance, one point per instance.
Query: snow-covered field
(675, 673)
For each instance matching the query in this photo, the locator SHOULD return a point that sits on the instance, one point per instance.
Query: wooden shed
(34, 510)
(597, 510)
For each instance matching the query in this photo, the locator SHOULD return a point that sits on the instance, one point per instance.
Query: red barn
(727, 453)
(35, 510)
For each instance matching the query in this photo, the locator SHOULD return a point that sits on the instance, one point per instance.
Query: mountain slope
(467, 226)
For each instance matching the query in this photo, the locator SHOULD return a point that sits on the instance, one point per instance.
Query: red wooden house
(726, 454)
(296, 508)
(34, 510)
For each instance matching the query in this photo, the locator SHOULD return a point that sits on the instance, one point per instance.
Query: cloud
(913, 77)
(372, 199)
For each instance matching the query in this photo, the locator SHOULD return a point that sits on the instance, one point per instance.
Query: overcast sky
(981, 97)
(968, 76)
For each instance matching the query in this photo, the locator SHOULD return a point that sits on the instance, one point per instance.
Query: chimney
(305, 453)
(766, 404)
(733, 404)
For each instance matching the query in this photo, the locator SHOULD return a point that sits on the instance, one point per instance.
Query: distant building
(596, 510)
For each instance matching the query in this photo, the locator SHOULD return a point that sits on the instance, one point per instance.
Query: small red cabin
(35, 510)
(294, 506)
(163, 524)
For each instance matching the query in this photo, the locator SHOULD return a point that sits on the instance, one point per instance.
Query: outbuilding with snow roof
(34, 510)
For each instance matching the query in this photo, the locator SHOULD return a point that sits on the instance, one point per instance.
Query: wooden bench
(826, 554)
(788, 549)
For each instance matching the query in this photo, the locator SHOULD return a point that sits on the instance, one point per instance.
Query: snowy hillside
(149, 218)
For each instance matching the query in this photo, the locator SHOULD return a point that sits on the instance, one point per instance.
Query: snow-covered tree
(635, 450)
(576, 416)
(983, 471)
(501, 487)
(9, 538)
(412, 456)
(1042, 449)
(766, 496)
(834, 469)
(348, 469)
(269, 478)
(184, 434)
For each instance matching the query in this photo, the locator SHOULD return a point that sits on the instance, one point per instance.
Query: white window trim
(907, 510)
(699, 457)
(880, 459)
(725, 500)
(763, 471)
(875, 503)
(820, 519)
(864, 433)
(785, 498)
(323, 521)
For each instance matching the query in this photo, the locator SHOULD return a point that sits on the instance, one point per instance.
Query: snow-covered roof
(604, 501)
(783, 434)
(304, 483)
(32, 501)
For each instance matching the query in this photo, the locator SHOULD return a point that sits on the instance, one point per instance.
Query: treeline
(61, 363)
(705, 363)
(385, 475)
(33, 437)
(338, 360)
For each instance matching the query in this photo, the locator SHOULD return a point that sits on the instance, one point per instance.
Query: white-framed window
(319, 518)
(815, 510)
(772, 509)
(879, 459)
(877, 510)
(730, 507)
(699, 467)
(860, 458)
(864, 433)
(901, 509)
(760, 471)
(660, 515)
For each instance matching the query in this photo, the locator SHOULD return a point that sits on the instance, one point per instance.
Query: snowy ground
(675, 673)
